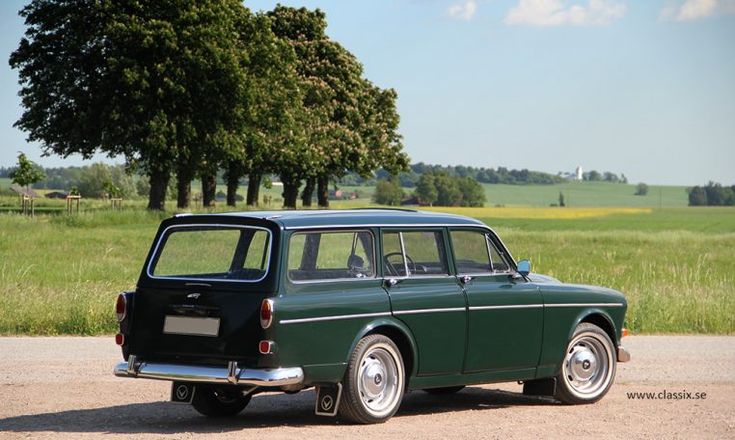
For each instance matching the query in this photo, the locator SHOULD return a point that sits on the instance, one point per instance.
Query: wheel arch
(599, 318)
(400, 335)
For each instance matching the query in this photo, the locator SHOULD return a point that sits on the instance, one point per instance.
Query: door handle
(465, 279)
(390, 282)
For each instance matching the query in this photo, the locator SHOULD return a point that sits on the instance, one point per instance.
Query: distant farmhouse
(577, 175)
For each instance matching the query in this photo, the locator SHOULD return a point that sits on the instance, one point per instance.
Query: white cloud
(561, 13)
(696, 9)
(463, 10)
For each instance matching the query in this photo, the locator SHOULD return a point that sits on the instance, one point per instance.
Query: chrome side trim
(623, 354)
(519, 306)
(332, 318)
(585, 305)
(417, 311)
(266, 377)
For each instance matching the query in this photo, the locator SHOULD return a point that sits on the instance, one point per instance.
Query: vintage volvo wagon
(364, 305)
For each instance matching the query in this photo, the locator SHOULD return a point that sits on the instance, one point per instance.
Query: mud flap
(540, 387)
(182, 392)
(327, 399)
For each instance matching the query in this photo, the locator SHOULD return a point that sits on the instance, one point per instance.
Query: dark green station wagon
(364, 305)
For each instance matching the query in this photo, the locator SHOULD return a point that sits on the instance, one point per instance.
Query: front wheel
(588, 369)
(374, 382)
(219, 401)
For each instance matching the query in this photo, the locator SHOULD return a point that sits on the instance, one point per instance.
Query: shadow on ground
(267, 410)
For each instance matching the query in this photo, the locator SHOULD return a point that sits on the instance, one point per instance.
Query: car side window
(414, 253)
(330, 255)
(471, 252)
(499, 263)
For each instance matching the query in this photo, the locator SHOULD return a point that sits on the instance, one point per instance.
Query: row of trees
(712, 194)
(433, 189)
(499, 175)
(184, 89)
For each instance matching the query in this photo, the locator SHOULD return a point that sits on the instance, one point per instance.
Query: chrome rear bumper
(231, 375)
(623, 354)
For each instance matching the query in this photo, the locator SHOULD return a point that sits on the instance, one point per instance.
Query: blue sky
(646, 88)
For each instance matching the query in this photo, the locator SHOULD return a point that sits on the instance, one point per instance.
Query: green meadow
(60, 274)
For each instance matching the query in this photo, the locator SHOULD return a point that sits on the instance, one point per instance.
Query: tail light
(121, 307)
(266, 313)
(119, 339)
(625, 332)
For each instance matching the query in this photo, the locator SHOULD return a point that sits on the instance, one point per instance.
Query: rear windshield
(212, 253)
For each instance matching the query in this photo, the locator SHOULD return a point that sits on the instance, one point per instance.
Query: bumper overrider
(230, 375)
(623, 354)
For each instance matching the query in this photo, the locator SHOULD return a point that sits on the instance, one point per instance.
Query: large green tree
(348, 123)
(158, 81)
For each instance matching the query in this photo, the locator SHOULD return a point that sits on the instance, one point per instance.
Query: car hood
(543, 279)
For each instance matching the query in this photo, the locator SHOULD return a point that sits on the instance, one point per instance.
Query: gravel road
(63, 388)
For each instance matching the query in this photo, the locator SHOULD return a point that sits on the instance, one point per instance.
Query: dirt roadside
(63, 388)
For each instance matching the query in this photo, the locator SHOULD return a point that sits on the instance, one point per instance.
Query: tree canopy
(188, 88)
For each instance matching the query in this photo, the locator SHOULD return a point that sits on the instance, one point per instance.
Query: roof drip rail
(383, 209)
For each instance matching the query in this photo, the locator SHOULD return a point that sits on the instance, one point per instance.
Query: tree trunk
(209, 188)
(308, 192)
(233, 180)
(322, 193)
(183, 186)
(253, 188)
(157, 194)
(290, 191)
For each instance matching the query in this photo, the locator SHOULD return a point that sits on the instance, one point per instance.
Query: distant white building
(578, 173)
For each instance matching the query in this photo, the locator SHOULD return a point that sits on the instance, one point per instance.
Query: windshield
(205, 252)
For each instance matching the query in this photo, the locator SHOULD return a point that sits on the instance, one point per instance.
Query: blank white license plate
(185, 325)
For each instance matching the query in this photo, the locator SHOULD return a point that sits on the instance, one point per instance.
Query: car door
(505, 318)
(426, 297)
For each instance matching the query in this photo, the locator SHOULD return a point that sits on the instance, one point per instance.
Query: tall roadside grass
(60, 274)
(675, 282)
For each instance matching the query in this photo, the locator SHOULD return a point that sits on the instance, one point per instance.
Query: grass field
(576, 194)
(60, 274)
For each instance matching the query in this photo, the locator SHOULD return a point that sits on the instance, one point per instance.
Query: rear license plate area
(186, 325)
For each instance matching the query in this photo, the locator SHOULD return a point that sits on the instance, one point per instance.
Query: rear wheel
(219, 401)
(374, 382)
(444, 390)
(588, 368)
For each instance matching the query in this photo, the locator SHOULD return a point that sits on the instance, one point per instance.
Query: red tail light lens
(121, 307)
(119, 339)
(266, 313)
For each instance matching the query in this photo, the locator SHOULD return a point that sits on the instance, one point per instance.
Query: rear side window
(212, 253)
(314, 256)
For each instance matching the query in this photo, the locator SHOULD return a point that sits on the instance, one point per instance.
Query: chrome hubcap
(587, 365)
(378, 381)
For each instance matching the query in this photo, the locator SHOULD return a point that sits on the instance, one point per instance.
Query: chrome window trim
(333, 318)
(333, 280)
(155, 255)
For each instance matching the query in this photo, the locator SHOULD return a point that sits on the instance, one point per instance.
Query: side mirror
(524, 267)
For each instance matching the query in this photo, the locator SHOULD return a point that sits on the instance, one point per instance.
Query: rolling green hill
(586, 194)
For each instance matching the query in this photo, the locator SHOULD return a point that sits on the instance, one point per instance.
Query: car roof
(301, 219)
